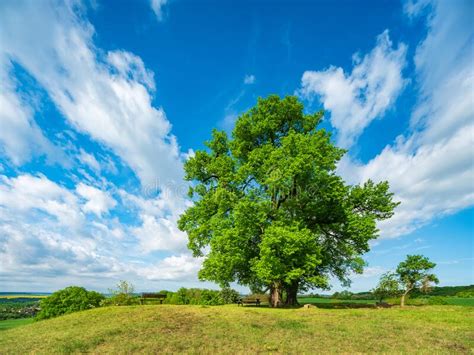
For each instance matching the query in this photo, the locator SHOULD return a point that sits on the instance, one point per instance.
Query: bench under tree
(154, 297)
(253, 299)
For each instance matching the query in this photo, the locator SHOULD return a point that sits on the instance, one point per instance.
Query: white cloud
(28, 193)
(20, 137)
(180, 267)
(158, 229)
(249, 79)
(107, 96)
(159, 234)
(45, 236)
(431, 170)
(355, 100)
(157, 7)
(98, 201)
(370, 272)
(89, 160)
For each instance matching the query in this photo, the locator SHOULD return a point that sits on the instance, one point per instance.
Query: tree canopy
(415, 273)
(388, 286)
(270, 210)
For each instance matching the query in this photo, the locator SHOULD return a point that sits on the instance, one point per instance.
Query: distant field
(20, 296)
(13, 323)
(232, 329)
(322, 302)
(457, 301)
(316, 300)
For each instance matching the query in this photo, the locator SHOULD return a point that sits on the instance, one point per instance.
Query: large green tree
(270, 211)
(415, 273)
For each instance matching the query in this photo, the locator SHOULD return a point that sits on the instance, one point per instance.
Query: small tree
(388, 286)
(414, 273)
(124, 287)
(229, 295)
(122, 295)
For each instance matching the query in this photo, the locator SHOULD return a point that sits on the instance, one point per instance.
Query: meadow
(233, 329)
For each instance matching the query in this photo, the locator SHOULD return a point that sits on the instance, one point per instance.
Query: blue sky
(101, 102)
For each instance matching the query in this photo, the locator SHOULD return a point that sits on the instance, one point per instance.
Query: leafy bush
(71, 299)
(343, 295)
(437, 300)
(427, 301)
(122, 296)
(229, 295)
(465, 294)
(195, 296)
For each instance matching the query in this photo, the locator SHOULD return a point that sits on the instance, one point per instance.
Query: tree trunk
(291, 294)
(402, 300)
(275, 295)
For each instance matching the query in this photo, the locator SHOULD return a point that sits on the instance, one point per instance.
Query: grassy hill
(232, 329)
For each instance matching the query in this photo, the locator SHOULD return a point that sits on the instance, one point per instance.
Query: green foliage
(229, 295)
(428, 301)
(71, 299)
(12, 309)
(122, 295)
(465, 294)
(444, 291)
(414, 272)
(270, 208)
(388, 286)
(195, 296)
(343, 295)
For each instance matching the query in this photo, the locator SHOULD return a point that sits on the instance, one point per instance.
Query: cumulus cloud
(158, 216)
(46, 234)
(431, 170)
(98, 201)
(356, 99)
(39, 195)
(181, 267)
(157, 7)
(50, 229)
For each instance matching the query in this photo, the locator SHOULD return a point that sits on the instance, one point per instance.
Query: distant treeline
(448, 291)
(442, 291)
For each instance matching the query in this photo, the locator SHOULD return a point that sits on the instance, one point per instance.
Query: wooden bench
(252, 299)
(152, 296)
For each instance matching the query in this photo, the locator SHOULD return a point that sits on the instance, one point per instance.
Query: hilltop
(232, 329)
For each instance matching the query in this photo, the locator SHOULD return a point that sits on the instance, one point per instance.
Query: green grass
(316, 300)
(13, 323)
(232, 329)
(457, 301)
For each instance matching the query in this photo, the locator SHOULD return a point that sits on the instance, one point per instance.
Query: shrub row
(73, 299)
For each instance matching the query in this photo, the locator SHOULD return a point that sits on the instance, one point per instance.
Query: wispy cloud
(249, 79)
(157, 7)
(356, 99)
(430, 168)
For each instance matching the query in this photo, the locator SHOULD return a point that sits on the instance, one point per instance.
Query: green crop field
(13, 323)
(232, 329)
(457, 301)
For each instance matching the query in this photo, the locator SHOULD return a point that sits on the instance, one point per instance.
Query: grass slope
(13, 323)
(232, 329)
